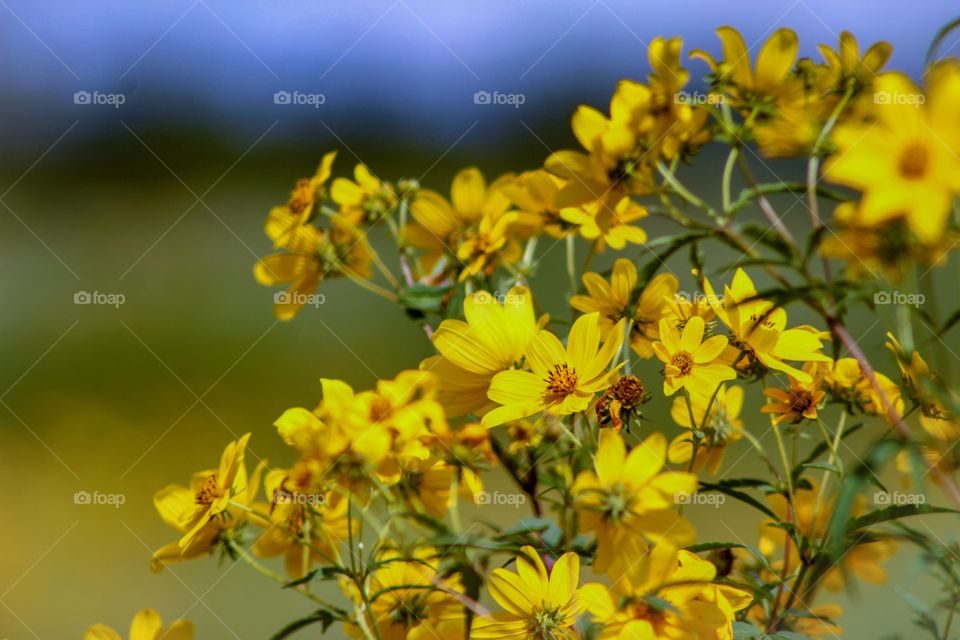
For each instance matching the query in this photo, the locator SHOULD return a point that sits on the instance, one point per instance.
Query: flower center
(208, 491)
(562, 381)
(301, 197)
(380, 409)
(629, 391)
(683, 361)
(800, 400)
(914, 161)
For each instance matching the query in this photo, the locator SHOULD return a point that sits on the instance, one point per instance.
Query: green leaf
(895, 513)
(421, 298)
(747, 631)
(738, 495)
(711, 546)
(323, 616)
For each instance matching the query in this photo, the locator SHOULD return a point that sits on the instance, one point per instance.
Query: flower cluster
(615, 416)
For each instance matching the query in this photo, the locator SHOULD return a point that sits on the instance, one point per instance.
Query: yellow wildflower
(801, 400)
(723, 425)
(691, 362)
(562, 380)
(538, 604)
(364, 199)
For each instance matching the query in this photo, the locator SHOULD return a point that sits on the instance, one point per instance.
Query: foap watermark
(514, 100)
(696, 498)
(898, 498)
(697, 297)
(899, 97)
(114, 100)
(514, 500)
(99, 498)
(898, 297)
(299, 98)
(698, 97)
(297, 498)
(99, 298)
(299, 298)
(503, 298)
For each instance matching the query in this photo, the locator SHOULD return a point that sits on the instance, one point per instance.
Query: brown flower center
(683, 361)
(800, 401)
(914, 161)
(208, 491)
(628, 390)
(301, 197)
(380, 409)
(562, 381)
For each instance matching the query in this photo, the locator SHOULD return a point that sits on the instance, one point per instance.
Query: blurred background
(144, 143)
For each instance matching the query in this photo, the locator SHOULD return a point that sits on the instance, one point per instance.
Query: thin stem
(571, 268)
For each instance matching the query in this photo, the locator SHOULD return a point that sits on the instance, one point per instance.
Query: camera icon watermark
(898, 498)
(114, 100)
(485, 498)
(698, 499)
(99, 298)
(299, 98)
(899, 98)
(515, 100)
(898, 297)
(697, 297)
(297, 498)
(698, 98)
(97, 498)
(299, 298)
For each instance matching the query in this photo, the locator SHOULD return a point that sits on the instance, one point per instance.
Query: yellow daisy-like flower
(489, 245)
(493, 338)
(680, 580)
(906, 162)
(846, 64)
(691, 362)
(146, 625)
(366, 198)
(608, 225)
(539, 604)
(309, 191)
(203, 511)
(769, 77)
(296, 515)
(412, 601)
(439, 223)
(654, 305)
(562, 380)
(627, 496)
(759, 330)
(535, 194)
(611, 300)
(801, 400)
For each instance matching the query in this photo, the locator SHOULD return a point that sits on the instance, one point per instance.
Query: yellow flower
(628, 496)
(654, 305)
(410, 599)
(846, 65)
(604, 224)
(309, 191)
(680, 581)
(562, 380)
(691, 362)
(538, 604)
(146, 625)
(801, 400)
(724, 426)
(679, 127)
(769, 78)
(536, 196)
(906, 162)
(611, 300)
(759, 330)
(487, 246)
(204, 511)
(493, 338)
(300, 514)
(425, 485)
(440, 223)
(364, 199)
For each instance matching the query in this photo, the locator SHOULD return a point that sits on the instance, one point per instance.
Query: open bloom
(610, 299)
(146, 625)
(493, 338)
(801, 400)
(538, 604)
(905, 163)
(768, 78)
(627, 496)
(691, 362)
(662, 593)
(563, 380)
(203, 511)
(760, 336)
